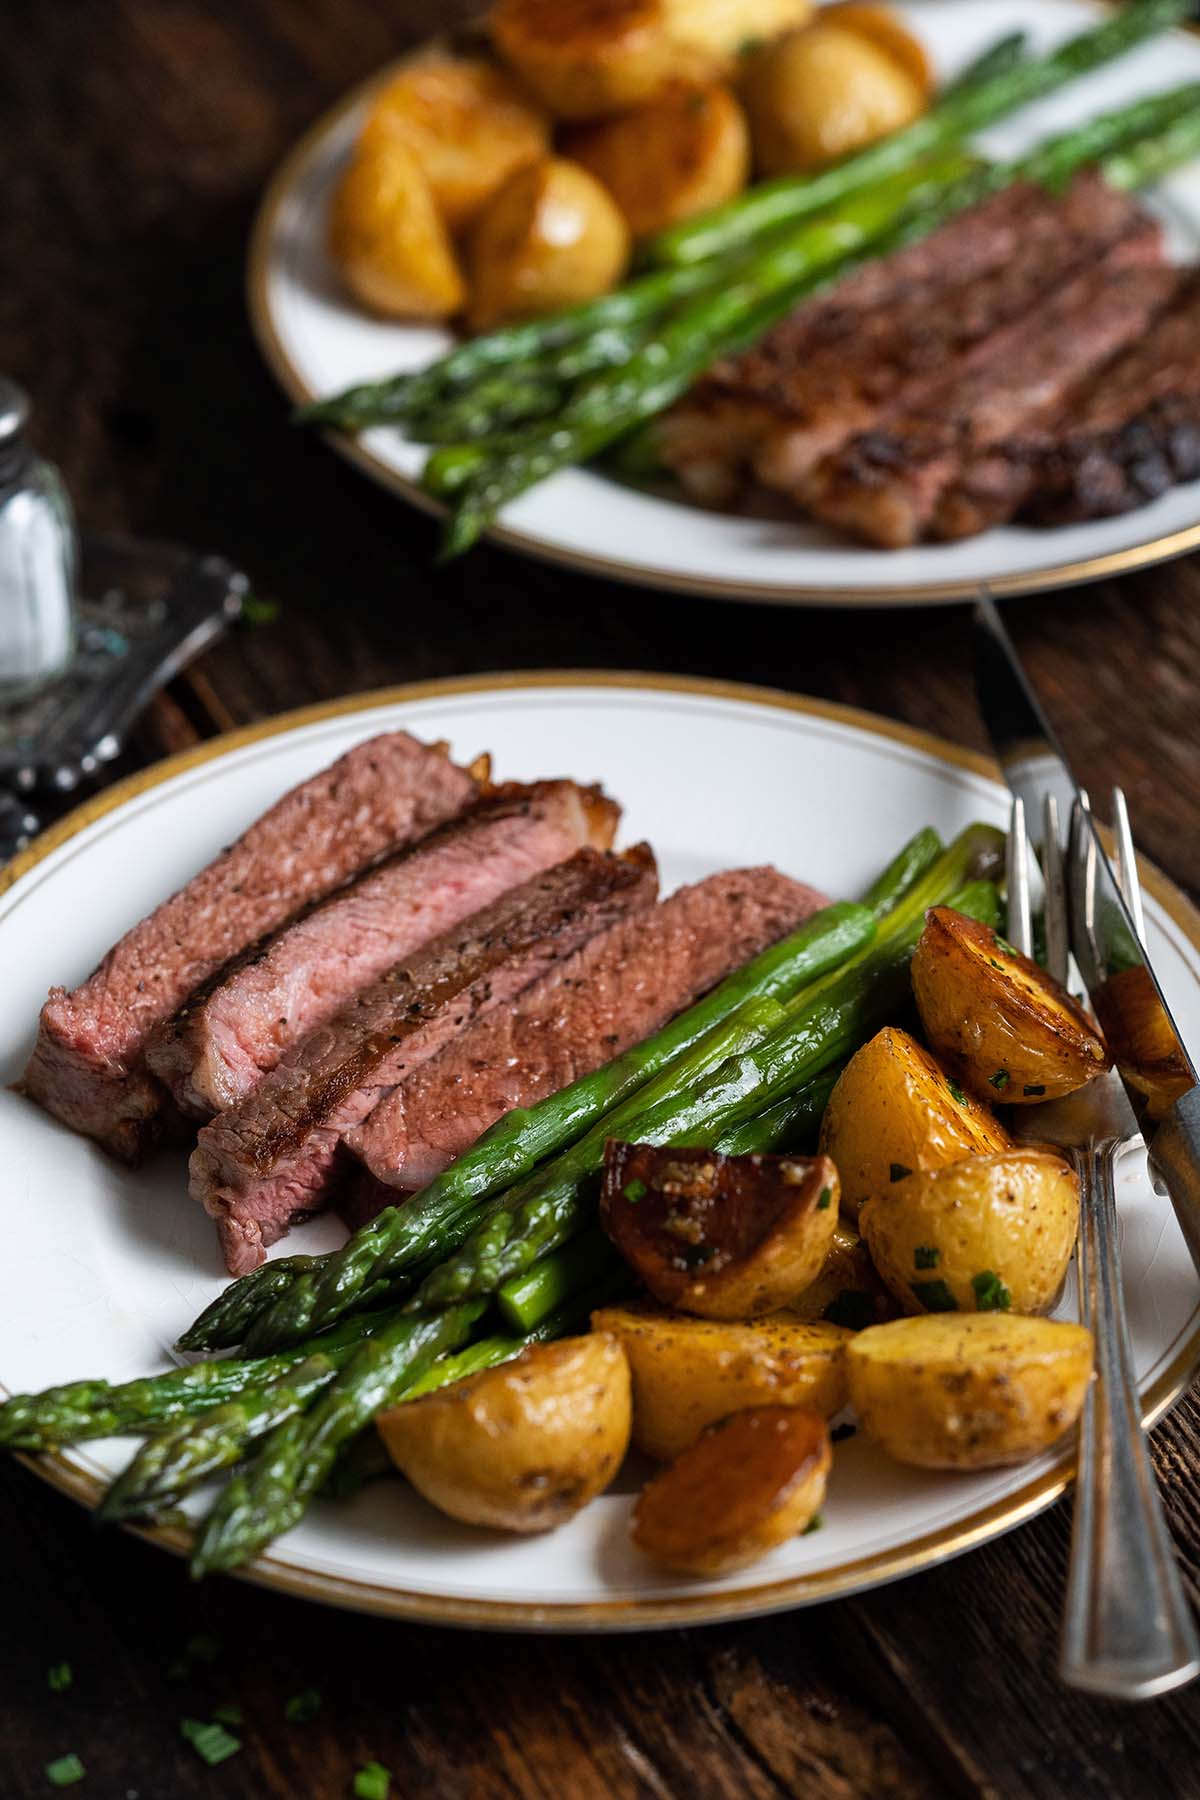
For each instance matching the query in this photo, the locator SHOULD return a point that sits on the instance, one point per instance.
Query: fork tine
(1127, 875)
(1020, 918)
(1057, 950)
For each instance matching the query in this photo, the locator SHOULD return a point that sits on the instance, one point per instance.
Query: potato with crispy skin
(523, 1446)
(971, 1390)
(466, 122)
(895, 1110)
(585, 58)
(823, 92)
(726, 1237)
(1010, 1031)
(848, 1291)
(688, 1373)
(984, 1235)
(748, 1485)
(1140, 1036)
(550, 236)
(388, 239)
(680, 153)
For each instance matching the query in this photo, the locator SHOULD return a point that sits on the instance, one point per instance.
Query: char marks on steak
(270, 1159)
(828, 370)
(886, 484)
(613, 991)
(88, 1067)
(237, 1026)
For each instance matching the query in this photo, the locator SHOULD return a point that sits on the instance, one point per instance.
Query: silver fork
(1127, 1628)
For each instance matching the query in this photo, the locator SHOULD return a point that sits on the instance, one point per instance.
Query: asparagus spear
(903, 872)
(399, 1237)
(996, 59)
(272, 1493)
(958, 113)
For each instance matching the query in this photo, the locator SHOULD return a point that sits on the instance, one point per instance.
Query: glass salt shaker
(38, 559)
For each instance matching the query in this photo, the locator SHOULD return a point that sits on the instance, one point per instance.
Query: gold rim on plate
(73, 1478)
(942, 593)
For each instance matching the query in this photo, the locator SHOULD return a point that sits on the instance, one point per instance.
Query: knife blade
(1156, 1070)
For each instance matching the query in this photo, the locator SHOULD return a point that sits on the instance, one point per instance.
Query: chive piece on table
(302, 1707)
(59, 1678)
(372, 1782)
(210, 1742)
(65, 1771)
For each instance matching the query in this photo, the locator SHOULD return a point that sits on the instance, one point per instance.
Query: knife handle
(1127, 1628)
(1175, 1161)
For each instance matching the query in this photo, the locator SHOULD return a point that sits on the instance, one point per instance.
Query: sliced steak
(271, 1158)
(612, 992)
(239, 1024)
(88, 1064)
(829, 369)
(1129, 433)
(885, 485)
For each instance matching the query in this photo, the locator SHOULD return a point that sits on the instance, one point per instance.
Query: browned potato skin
(881, 26)
(549, 237)
(1141, 1039)
(688, 1373)
(749, 1484)
(386, 236)
(894, 1106)
(1011, 1031)
(679, 154)
(1014, 1216)
(823, 92)
(585, 58)
(762, 1224)
(468, 125)
(970, 1390)
(522, 1447)
(848, 1291)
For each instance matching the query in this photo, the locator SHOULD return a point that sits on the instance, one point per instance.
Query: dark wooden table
(143, 132)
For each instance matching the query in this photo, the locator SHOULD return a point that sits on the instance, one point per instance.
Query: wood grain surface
(139, 135)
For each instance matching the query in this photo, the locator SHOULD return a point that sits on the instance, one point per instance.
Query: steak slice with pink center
(238, 1026)
(615, 990)
(88, 1065)
(271, 1159)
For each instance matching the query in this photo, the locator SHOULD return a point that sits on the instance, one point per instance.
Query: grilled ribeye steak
(828, 370)
(610, 993)
(271, 1159)
(886, 484)
(88, 1065)
(237, 1026)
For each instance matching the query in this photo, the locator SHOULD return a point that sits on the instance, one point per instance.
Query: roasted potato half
(848, 1291)
(984, 1235)
(749, 1484)
(387, 236)
(727, 1237)
(823, 92)
(1141, 1039)
(688, 1373)
(895, 1110)
(468, 125)
(686, 150)
(523, 1446)
(971, 1390)
(550, 236)
(586, 58)
(1011, 1031)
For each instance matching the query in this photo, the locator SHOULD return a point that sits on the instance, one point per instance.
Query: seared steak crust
(88, 1064)
(238, 1025)
(270, 1159)
(613, 991)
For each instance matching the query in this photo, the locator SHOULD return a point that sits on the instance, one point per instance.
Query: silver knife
(1157, 1072)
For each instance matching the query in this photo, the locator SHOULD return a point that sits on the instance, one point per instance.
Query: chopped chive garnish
(851, 1308)
(634, 1190)
(991, 1295)
(935, 1296)
(212, 1743)
(898, 1171)
(229, 1714)
(824, 1198)
(1000, 1080)
(926, 1256)
(1036, 1088)
(65, 1771)
(59, 1678)
(814, 1524)
(302, 1707)
(1003, 944)
(956, 1093)
(203, 1647)
(994, 963)
(372, 1782)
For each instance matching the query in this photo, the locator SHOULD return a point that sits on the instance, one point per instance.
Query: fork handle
(1127, 1630)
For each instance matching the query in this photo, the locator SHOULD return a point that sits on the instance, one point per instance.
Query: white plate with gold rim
(318, 341)
(104, 1267)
